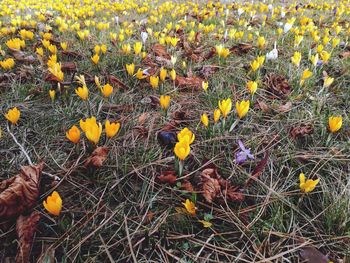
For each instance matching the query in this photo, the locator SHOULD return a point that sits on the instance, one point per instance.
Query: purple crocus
(243, 154)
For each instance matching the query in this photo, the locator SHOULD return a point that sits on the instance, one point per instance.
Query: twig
(19, 145)
(129, 240)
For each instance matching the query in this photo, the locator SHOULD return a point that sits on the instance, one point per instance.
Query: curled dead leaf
(277, 85)
(186, 185)
(301, 130)
(98, 156)
(241, 48)
(263, 106)
(313, 255)
(26, 228)
(160, 51)
(20, 192)
(258, 169)
(189, 83)
(72, 54)
(22, 57)
(167, 177)
(284, 107)
(68, 67)
(114, 80)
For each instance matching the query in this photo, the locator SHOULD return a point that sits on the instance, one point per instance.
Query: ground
(130, 206)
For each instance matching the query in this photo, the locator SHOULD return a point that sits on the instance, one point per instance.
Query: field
(163, 131)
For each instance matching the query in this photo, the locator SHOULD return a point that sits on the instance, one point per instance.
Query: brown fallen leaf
(72, 54)
(284, 107)
(189, 83)
(241, 48)
(258, 169)
(22, 57)
(167, 177)
(160, 51)
(68, 66)
(20, 192)
(345, 54)
(313, 255)
(98, 156)
(263, 106)
(301, 130)
(186, 185)
(114, 80)
(51, 78)
(211, 186)
(142, 118)
(277, 85)
(26, 228)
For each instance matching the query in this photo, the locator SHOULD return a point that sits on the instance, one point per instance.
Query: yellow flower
(97, 82)
(52, 49)
(222, 51)
(327, 81)
(139, 74)
(111, 128)
(305, 75)
(15, 43)
(205, 85)
(186, 135)
(64, 45)
(182, 149)
(296, 58)
(261, 42)
(97, 49)
(13, 115)
(73, 134)
(107, 90)
(314, 60)
(297, 40)
(52, 94)
(190, 207)
(225, 107)
(206, 224)
(335, 123)
(126, 49)
(7, 64)
(53, 203)
(154, 80)
(137, 48)
(93, 131)
(103, 49)
(164, 102)
(82, 92)
(173, 74)
(308, 185)
(40, 51)
(261, 60)
(174, 41)
(205, 119)
(55, 70)
(84, 124)
(162, 74)
(255, 65)
(216, 116)
(252, 86)
(325, 56)
(242, 108)
(95, 58)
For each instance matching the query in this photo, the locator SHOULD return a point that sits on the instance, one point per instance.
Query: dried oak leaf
(22, 57)
(345, 54)
(20, 192)
(284, 107)
(241, 48)
(51, 78)
(114, 80)
(26, 227)
(186, 185)
(98, 156)
(189, 83)
(301, 130)
(68, 67)
(263, 106)
(167, 177)
(72, 54)
(277, 85)
(160, 51)
(312, 255)
(211, 186)
(258, 169)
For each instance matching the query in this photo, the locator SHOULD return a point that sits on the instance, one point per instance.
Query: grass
(122, 213)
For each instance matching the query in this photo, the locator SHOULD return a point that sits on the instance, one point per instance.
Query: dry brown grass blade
(26, 227)
(98, 156)
(258, 169)
(20, 193)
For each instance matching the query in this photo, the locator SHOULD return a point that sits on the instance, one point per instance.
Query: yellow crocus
(296, 58)
(327, 81)
(216, 115)
(162, 74)
(111, 128)
(305, 75)
(107, 90)
(242, 108)
(190, 207)
(205, 85)
(186, 135)
(140, 75)
(205, 119)
(255, 65)
(52, 94)
(225, 107)
(182, 149)
(82, 92)
(95, 59)
(73, 134)
(13, 115)
(130, 68)
(164, 101)
(53, 203)
(308, 185)
(93, 132)
(252, 86)
(137, 48)
(261, 42)
(335, 123)
(173, 74)
(154, 81)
